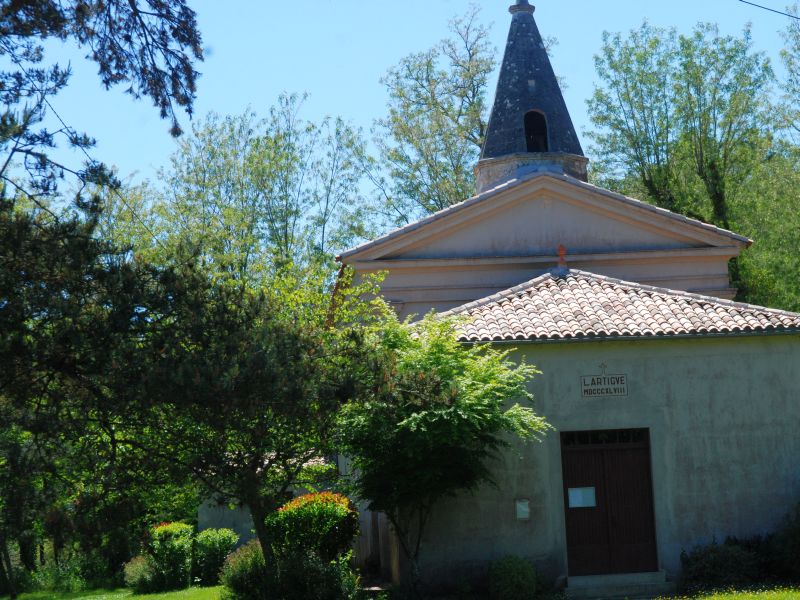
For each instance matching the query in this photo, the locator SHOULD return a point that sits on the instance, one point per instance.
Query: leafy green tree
(433, 416)
(149, 45)
(432, 136)
(72, 310)
(240, 388)
(767, 210)
(149, 373)
(722, 90)
(635, 109)
(25, 491)
(688, 116)
(790, 55)
(683, 121)
(250, 196)
(45, 287)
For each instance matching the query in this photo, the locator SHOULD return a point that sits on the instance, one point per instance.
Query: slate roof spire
(530, 128)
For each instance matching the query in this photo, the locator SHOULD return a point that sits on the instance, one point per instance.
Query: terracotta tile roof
(572, 304)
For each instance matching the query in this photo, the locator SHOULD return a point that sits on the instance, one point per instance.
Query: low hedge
(248, 576)
(211, 548)
(512, 578)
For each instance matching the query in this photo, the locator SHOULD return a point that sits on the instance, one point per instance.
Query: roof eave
(642, 338)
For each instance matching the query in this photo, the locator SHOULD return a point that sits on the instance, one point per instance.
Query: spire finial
(521, 6)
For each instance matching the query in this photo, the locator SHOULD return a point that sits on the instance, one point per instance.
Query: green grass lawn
(779, 594)
(212, 593)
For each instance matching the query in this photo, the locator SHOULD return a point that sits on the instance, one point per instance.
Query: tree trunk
(259, 510)
(27, 550)
(3, 577)
(416, 579)
(410, 550)
(5, 558)
(712, 176)
(58, 545)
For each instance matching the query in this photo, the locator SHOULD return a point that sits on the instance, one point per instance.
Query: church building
(676, 410)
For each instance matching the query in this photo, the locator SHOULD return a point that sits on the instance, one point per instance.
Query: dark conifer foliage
(150, 46)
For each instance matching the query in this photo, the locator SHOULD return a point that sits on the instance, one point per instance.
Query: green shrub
(764, 549)
(211, 548)
(787, 547)
(22, 581)
(325, 524)
(244, 574)
(170, 547)
(98, 571)
(309, 577)
(140, 574)
(62, 577)
(512, 578)
(719, 566)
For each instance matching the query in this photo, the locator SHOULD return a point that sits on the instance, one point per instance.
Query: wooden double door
(608, 499)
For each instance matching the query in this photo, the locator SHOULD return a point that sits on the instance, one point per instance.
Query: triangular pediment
(535, 215)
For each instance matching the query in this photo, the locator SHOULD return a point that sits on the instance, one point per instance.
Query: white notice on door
(583, 497)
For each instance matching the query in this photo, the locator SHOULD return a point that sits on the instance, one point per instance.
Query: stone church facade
(676, 409)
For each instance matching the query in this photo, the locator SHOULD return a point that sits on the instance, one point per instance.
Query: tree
(635, 109)
(683, 120)
(767, 211)
(251, 196)
(687, 115)
(722, 90)
(432, 136)
(432, 417)
(149, 45)
(24, 492)
(67, 302)
(152, 374)
(790, 55)
(240, 388)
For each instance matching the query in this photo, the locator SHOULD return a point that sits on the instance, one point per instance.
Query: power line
(785, 14)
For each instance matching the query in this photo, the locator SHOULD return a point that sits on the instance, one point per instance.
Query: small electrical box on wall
(522, 508)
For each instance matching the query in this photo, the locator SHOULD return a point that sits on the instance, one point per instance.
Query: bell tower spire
(530, 129)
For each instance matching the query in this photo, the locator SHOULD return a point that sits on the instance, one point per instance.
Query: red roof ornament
(562, 256)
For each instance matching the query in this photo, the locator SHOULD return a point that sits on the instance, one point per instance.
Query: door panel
(587, 527)
(630, 508)
(618, 534)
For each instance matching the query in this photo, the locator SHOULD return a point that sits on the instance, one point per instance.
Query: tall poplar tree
(432, 136)
(687, 117)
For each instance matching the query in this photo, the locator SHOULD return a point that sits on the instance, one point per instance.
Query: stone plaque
(604, 385)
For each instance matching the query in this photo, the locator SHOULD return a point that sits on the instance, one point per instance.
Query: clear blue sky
(337, 50)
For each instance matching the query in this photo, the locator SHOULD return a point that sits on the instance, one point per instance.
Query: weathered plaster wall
(538, 225)
(724, 420)
(211, 514)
